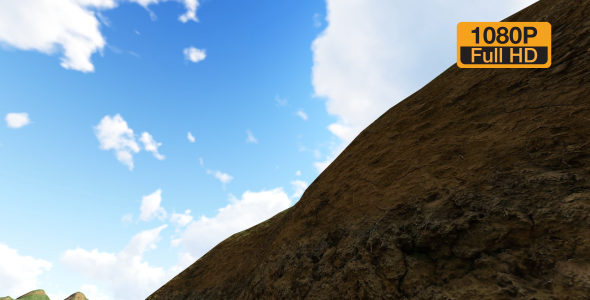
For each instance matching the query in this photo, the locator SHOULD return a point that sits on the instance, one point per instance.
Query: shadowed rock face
(475, 187)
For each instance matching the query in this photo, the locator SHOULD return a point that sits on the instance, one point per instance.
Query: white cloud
(317, 20)
(18, 274)
(113, 133)
(151, 145)
(150, 207)
(136, 32)
(58, 295)
(223, 177)
(181, 220)
(280, 101)
(126, 273)
(193, 54)
(298, 173)
(335, 150)
(191, 11)
(317, 154)
(190, 137)
(49, 25)
(368, 58)
(68, 26)
(302, 114)
(254, 207)
(201, 161)
(251, 138)
(185, 259)
(91, 292)
(128, 218)
(17, 120)
(176, 242)
(344, 132)
(299, 186)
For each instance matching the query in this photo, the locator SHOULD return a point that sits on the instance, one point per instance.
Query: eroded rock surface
(475, 187)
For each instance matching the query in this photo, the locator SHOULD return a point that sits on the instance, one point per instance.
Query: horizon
(137, 135)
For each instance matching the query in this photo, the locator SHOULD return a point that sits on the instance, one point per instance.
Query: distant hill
(477, 187)
(40, 295)
(76, 296)
(34, 295)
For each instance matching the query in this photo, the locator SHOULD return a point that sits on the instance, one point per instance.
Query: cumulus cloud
(190, 137)
(128, 218)
(58, 295)
(68, 26)
(201, 161)
(254, 207)
(49, 25)
(91, 292)
(298, 173)
(181, 220)
(150, 207)
(17, 120)
(191, 11)
(114, 134)
(151, 145)
(302, 114)
(126, 273)
(368, 57)
(175, 242)
(18, 273)
(223, 177)
(193, 54)
(299, 186)
(251, 138)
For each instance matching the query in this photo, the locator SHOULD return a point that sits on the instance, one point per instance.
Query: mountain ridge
(474, 187)
(40, 294)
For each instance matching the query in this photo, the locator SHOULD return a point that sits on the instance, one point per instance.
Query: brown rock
(475, 187)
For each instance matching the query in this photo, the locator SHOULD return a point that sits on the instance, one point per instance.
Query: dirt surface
(475, 187)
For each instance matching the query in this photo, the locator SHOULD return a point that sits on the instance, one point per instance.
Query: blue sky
(101, 188)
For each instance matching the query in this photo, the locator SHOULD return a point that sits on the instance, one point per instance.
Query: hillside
(40, 295)
(474, 187)
(76, 296)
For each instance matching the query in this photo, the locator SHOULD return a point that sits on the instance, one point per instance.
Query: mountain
(477, 186)
(34, 295)
(76, 296)
(40, 295)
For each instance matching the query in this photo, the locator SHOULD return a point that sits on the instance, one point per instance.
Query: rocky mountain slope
(475, 187)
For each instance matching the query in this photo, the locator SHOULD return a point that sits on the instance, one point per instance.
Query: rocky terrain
(477, 186)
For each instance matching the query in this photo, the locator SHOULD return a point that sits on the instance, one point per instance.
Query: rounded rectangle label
(504, 45)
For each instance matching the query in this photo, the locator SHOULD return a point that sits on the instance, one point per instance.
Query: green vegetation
(34, 295)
